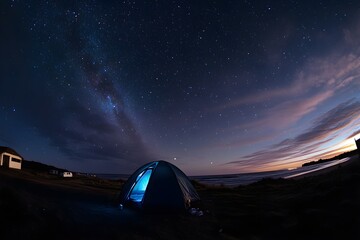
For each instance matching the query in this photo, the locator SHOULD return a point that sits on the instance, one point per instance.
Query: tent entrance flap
(138, 191)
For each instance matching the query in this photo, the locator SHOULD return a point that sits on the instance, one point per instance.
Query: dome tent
(159, 186)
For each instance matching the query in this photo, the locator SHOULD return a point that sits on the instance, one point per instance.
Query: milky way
(214, 87)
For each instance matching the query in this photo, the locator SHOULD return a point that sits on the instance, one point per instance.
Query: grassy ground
(34, 205)
(325, 206)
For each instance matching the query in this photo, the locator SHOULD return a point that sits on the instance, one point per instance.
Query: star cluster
(215, 86)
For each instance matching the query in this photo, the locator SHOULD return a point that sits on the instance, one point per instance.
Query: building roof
(9, 150)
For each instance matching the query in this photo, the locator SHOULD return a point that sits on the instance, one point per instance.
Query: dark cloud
(86, 135)
(325, 128)
(64, 99)
(354, 134)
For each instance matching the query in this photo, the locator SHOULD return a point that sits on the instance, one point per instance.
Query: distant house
(61, 173)
(54, 172)
(9, 158)
(66, 174)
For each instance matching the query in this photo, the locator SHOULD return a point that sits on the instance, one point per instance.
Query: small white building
(9, 158)
(66, 174)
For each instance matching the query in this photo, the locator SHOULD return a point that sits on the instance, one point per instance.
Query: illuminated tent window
(138, 190)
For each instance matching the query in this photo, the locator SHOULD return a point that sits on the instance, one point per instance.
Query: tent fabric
(158, 186)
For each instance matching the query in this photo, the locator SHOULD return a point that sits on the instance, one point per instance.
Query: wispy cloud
(320, 79)
(324, 129)
(329, 73)
(288, 112)
(354, 134)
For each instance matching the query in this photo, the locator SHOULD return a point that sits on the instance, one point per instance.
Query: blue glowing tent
(159, 186)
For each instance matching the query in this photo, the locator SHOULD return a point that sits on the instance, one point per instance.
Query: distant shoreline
(233, 180)
(330, 168)
(338, 157)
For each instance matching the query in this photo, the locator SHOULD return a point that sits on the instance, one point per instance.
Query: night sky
(211, 86)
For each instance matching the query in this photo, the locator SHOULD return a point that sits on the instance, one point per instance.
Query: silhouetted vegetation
(341, 156)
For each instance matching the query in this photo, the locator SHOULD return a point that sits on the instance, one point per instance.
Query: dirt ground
(36, 205)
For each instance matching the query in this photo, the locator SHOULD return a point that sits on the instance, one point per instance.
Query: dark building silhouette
(358, 145)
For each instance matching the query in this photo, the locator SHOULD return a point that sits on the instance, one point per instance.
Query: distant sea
(232, 180)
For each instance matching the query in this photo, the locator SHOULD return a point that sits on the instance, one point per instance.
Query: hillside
(37, 166)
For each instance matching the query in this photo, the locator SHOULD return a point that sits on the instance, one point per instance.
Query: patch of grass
(324, 206)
